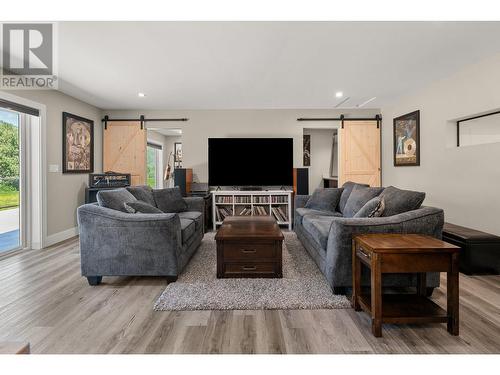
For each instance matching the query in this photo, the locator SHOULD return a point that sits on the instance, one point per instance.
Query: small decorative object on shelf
(273, 203)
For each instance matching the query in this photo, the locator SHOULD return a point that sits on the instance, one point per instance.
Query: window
(479, 130)
(154, 166)
(10, 175)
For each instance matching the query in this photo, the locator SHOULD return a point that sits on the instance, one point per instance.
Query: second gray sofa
(327, 236)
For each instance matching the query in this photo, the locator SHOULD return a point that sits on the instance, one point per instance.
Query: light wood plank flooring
(45, 301)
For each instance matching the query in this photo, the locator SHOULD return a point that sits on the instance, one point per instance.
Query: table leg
(421, 284)
(452, 296)
(356, 278)
(376, 295)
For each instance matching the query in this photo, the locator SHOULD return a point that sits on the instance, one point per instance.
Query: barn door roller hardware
(142, 119)
(378, 118)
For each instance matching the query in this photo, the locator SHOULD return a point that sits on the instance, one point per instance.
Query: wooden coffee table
(249, 247)
(404, 253)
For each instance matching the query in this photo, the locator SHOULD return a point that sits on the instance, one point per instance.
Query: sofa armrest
(301, 200)
(195, 203)
(118, 243)
(426, 220)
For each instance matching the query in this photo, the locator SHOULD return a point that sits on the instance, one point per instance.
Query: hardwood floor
(45, 301)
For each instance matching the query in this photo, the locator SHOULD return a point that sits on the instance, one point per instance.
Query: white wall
(65, 192)
(464, 181)
(204, 124)
(321, 155)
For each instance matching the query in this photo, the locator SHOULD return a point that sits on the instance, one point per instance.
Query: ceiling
(236, 65)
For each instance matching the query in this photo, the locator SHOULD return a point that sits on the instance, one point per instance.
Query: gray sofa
(117, 243)
(327, 236)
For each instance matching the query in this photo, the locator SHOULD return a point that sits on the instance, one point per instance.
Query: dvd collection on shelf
(224, 199)
(279, 214)
(279, 199)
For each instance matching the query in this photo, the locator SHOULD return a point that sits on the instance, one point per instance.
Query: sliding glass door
(10, 180)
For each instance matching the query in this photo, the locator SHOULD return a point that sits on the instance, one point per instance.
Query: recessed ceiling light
(141, 95)
(339, 94)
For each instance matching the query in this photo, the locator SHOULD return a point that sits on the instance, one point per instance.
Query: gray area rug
(302, 286)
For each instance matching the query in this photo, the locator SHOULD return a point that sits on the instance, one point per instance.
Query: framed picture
(407, 140)
(178, 152)
(78, 144)
(306, 151)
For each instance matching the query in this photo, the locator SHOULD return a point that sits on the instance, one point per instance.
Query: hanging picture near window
(178, 152)
(407, 140)
(306, 150)
(78, 144)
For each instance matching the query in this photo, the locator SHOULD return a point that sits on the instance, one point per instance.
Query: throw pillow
(398, 201)
(373, 208)
(347, 189)
(143, 193)
(169, 200)
(358, 198)
(115, 199)
(324, 199)
(140, 207)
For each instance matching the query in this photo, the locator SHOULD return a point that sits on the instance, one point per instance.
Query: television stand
(250, 188)
(274, 203)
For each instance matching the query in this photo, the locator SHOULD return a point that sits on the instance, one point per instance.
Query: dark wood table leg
(376, 296)
(421, 284)
(356, 278)
(452, 296)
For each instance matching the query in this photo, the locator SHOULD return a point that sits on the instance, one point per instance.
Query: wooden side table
(404, 253)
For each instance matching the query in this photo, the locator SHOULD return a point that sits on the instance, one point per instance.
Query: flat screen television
(250, 161)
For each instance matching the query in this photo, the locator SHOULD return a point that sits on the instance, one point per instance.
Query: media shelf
(275, 203)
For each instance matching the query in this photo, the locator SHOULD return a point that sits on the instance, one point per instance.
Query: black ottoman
(480, 254)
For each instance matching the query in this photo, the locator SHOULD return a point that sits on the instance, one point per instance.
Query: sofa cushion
(142, 193)
(302, 211)
(398, 201)
(188, 228)
(347, 189)
(319, 228)
(373, 208)
(169, 200)
(324, 199)
(194, 216)
(115, 199)
(140, 207)
(358, 198)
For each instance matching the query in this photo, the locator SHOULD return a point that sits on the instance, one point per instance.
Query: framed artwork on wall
(178, 152)
(407, 140)
(306, 152)
(78, 144)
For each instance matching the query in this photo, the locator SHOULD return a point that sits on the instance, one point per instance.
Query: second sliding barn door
(359, 153)
(124, 149)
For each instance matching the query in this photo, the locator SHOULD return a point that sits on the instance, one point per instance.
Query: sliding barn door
(124, 149)
(359, 151)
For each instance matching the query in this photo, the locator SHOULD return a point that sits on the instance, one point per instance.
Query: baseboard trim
(61, 236)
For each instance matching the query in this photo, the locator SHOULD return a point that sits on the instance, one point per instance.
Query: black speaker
(183, 178)
(301, 181)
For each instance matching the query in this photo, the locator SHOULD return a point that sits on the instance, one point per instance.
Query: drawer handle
(364, 252)
(249, 268)
(248, 251)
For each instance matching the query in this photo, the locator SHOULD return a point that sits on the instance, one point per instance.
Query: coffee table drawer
(249, 268)
(243, 251)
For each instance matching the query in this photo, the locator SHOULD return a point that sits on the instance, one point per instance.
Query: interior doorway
(164, 154)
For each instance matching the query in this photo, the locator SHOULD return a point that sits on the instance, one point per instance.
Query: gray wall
(464, 181)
